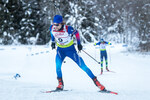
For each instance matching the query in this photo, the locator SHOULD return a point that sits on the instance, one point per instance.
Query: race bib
(62, 37)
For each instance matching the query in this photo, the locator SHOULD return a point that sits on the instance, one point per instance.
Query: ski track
(37, 72)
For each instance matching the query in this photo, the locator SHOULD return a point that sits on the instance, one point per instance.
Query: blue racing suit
(103, 52)
(65, 48)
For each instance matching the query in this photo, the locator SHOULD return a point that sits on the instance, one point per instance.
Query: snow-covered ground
(36, 65)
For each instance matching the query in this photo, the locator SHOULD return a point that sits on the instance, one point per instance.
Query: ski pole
(91, 57)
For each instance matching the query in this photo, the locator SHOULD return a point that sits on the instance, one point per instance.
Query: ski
(108, 91)
(51, 91)
(111, 71)
(104, 91)
(106, 71)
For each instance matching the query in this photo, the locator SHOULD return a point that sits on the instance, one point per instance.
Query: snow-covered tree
(120, 21)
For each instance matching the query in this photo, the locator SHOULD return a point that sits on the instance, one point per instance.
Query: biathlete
(103, 53)
(61, 35)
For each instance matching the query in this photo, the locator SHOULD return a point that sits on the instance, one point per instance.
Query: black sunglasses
(56, 24)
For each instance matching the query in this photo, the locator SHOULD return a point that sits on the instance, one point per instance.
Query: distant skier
(103, 53)
(61, 35)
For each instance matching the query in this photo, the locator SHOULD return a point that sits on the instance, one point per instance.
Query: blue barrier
(124, 45)
(37, 53)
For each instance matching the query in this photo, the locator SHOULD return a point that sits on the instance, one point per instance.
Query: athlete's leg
(59, 59)
(101, 57)
(106, 61)
(76, 58)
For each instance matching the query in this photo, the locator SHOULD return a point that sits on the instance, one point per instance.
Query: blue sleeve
(70, 30)
(52, 37)
(108, 43)
(50, 28)
(74, 32)
(97, 43)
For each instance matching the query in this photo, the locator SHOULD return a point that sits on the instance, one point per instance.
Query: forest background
(27, 22)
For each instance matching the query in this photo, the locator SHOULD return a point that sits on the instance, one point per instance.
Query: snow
(36, 65)
(4, 33)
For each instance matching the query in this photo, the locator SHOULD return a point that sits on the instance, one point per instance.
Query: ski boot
(107, 69)
(97, 83)
(60, 84)
(101, 71)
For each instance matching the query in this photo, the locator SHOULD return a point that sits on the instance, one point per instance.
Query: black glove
(80, 47)
(53, 46)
